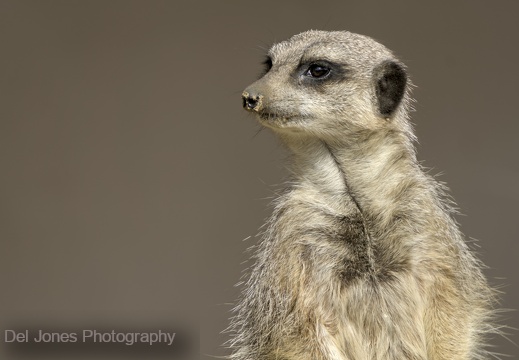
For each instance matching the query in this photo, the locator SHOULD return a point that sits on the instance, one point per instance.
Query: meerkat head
(320, 82)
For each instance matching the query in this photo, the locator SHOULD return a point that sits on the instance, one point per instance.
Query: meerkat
(361, 259)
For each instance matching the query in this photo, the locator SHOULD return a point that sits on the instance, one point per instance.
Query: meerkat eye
(317, 71)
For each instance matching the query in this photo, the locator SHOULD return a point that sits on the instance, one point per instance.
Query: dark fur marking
(386, 263)
(390, 83)
(267, 64)
(354, 237)
(338, 72)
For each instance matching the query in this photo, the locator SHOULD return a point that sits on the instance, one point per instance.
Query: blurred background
(132, 182)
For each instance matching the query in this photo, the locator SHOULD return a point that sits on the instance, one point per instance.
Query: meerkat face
(320, 82)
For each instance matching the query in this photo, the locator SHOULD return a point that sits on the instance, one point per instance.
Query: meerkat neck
(381, 173)
(375, 170)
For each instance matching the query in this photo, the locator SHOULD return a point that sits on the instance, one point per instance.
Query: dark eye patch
(267, 64)
(320, 71)
(317, 71)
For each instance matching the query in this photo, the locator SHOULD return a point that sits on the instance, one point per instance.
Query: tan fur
(361, 259)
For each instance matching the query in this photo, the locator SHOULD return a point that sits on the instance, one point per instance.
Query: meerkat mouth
(271, 117)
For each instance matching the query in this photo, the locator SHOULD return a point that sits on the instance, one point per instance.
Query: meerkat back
(361, 259)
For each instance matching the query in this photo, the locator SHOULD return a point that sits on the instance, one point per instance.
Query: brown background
(130, 174)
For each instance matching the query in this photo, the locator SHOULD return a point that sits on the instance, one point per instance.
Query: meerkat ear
(390, 82)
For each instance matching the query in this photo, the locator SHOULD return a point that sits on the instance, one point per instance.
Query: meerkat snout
(251, 102)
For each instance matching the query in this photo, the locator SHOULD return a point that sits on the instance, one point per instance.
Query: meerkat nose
(251, 102)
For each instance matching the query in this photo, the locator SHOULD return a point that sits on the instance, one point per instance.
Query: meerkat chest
(331, 240)
(348, 289)
(310, 247)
